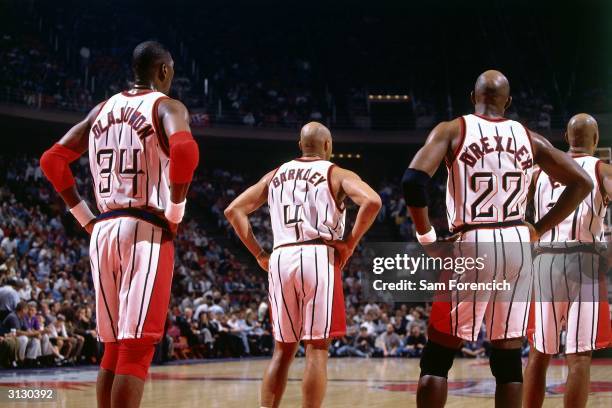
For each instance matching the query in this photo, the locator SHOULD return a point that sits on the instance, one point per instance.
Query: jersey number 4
(292, 215)
(129, 170)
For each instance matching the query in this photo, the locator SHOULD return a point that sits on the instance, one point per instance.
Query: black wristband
(414, 186)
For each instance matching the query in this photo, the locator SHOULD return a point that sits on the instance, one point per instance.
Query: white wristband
(82, 213)
(175, 212)
(427, 238)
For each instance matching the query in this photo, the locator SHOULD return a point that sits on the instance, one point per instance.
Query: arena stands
(219, 296)
(56, 58)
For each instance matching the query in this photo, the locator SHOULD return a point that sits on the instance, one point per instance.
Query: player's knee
(135, 357)
(322, 344)
(436, 360)
(506, 365)
(110, 357)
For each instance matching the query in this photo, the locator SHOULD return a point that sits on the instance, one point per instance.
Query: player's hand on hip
(534, 235)
(343, 249)
(90, 226)
(263, 259)
(173, 229)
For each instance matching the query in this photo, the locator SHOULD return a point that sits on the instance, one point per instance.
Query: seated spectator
(28, 341)
(414, 342)
(475, 349)
(389, 342)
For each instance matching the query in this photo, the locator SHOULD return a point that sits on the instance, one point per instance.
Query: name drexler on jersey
(496, 144)
(298, 174)
(133, 118)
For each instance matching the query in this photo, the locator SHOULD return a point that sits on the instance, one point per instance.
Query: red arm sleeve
(184, 157)
(55, 164)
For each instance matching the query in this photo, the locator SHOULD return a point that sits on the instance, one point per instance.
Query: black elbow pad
(414, 186)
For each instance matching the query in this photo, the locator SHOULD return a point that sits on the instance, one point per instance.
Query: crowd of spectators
(218, 306)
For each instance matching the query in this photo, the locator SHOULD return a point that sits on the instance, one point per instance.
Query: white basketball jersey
(490, 174)
(586, 223)
(302, 207)
(128, 154)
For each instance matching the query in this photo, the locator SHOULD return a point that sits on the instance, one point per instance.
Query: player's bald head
(582, 131)
(492, 88)
(315, 139)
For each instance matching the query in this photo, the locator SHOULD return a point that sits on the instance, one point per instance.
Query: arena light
(392, 98)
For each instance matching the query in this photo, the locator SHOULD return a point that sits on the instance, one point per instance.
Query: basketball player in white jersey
(142, 158)
(489, 160)
(570, 290)
(305, 197)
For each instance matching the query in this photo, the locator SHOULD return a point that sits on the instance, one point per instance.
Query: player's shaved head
(315, 140)
(582, 132)
(492, 90)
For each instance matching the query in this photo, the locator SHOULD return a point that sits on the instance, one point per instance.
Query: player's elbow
(374, 203)
(230, 212)
(584, 184)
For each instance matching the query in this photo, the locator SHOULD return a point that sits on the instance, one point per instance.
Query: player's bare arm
(425, 163)
(348, 184)
(566, 171)
(55, 164)
(237, 213)
(184, 155)
(605, 177)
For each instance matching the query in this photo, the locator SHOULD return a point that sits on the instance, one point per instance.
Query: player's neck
(139, 86)
(312, 156)
(579, 150)
(488, 111)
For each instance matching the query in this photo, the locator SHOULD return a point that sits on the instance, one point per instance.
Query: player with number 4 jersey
(305, 197)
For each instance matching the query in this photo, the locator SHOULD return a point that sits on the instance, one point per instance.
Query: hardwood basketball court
(352, 383)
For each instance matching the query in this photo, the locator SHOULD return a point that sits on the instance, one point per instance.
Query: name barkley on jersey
(298, 174)
(129, 115)
(495, 144)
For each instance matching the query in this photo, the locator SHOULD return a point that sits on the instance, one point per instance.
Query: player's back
(489, 177)
(128, 154)
(302, 205)
(586, 223)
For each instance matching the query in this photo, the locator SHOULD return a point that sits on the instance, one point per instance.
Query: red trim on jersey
(144, 92)
(528, 133)
(100, 110)
(303, 159)
(273, 174)
(600, 186)
(531, 326)
(155, 318)
(162, 138)
(576, 155)
(603, 335)
(490, 119)
(337, 327)
(329, 187)
(460, 145)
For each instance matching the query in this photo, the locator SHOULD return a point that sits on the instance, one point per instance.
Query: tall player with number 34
(142, 158)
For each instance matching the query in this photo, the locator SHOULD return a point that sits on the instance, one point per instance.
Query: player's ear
(508, 103)
(300, 145)
(565, 137)
(473, 98)
(163, 71)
